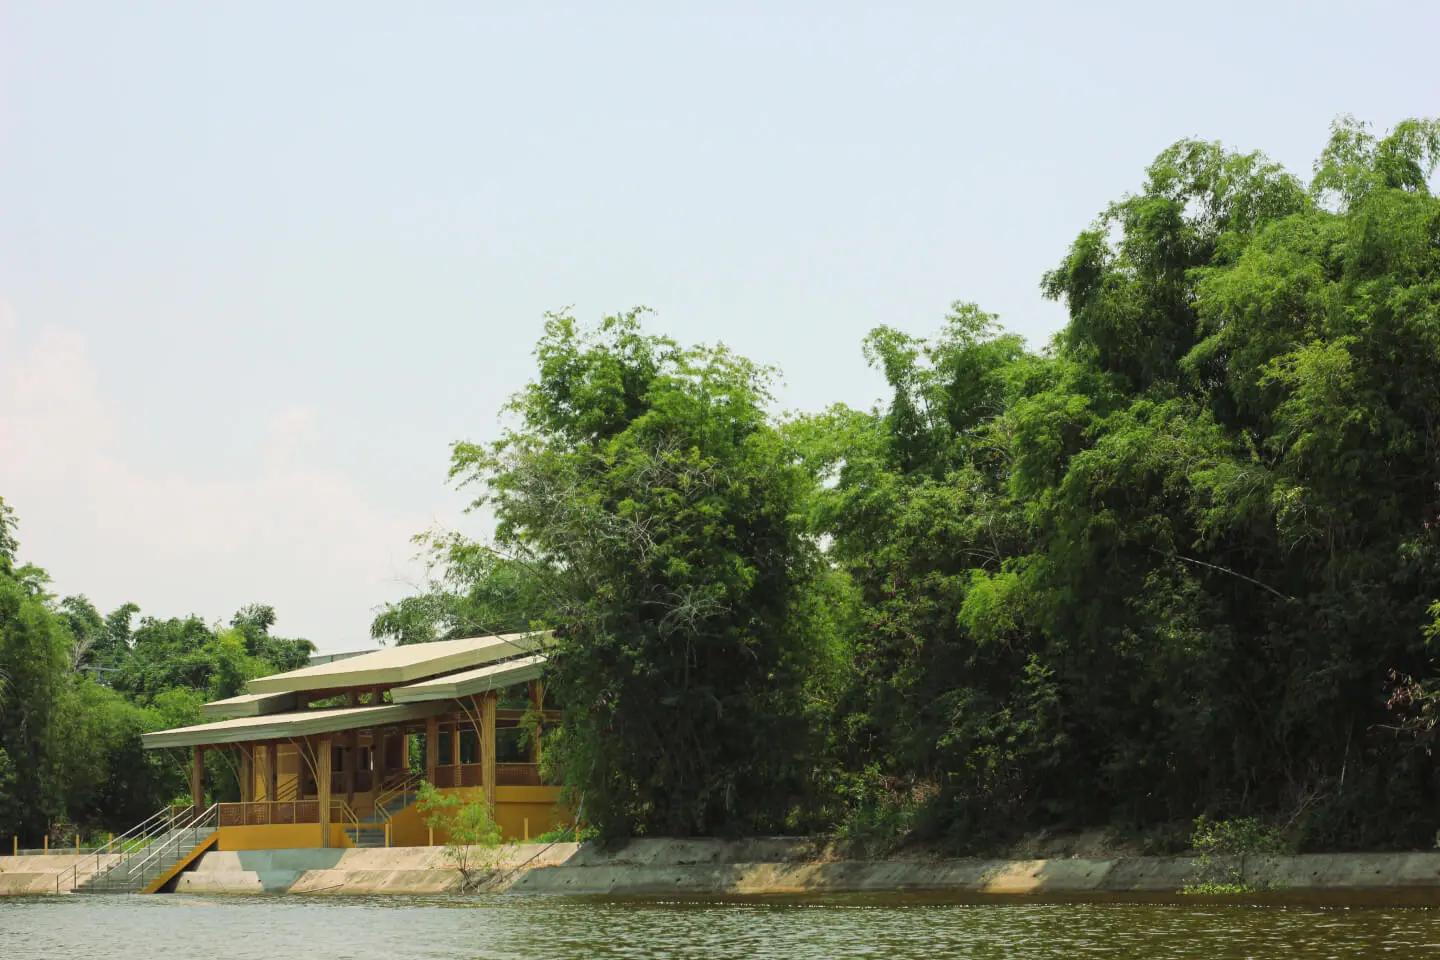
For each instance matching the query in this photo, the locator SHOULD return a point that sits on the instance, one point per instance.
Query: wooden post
(352, 756)
(432, 747)
(45, 844)
(377, 758)
(247, 773)
(322, 786)
(197, 780)
(537, 702)
(272, 771)
(15, 845)
(487, 745)
(455, 780)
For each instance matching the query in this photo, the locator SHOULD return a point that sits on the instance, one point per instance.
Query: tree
(471, 833)
(471, 591)
(649, 495)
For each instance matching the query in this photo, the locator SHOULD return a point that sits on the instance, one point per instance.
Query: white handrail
(192, 825)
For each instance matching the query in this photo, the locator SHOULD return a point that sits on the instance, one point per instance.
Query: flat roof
(248, 705)
(471, 682)
(279, 726)
(397, 665)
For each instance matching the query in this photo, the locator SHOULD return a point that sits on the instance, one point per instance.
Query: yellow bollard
(77, 843)
(527, 829)
(387, 834)
(46, 844)
(431, 832)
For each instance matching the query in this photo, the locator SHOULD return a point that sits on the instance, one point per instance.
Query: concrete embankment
(699, 868)
(649, 868)
(48, 873)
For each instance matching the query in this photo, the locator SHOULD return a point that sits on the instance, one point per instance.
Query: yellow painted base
(159, 882)
(516, 808)
(279, 836)
(522, 812)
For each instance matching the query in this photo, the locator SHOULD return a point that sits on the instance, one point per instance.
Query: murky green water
(896, 928)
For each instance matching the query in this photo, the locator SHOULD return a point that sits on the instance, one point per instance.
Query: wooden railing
(259, 813)
(471, 774)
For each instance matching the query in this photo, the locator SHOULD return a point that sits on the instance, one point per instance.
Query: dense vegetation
(77, 689)
(1181, 562)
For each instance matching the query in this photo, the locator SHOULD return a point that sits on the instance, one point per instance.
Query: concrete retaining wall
(772, 866)
(50, 873)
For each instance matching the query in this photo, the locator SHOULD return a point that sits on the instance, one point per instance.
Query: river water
(819, 928)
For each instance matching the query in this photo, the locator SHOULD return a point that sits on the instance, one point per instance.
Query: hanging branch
(1226, 570)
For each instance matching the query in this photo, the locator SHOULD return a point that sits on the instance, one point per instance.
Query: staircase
(155, 851)
(372, 832)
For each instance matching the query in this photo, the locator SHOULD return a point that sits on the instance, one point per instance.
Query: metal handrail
(211, 814)
(348, 814)
(400, 789)
(143, 833)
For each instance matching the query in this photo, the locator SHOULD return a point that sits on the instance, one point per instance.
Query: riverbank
(773, 867)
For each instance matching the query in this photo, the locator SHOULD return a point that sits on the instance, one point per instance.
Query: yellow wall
(513, 806)
(279, 836)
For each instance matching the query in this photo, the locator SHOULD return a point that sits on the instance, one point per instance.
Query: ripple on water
(543, 928)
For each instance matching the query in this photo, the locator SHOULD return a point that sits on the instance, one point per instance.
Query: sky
(262, 263)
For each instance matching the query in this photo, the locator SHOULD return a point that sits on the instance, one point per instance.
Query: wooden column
(272, 771)
(377, 759)
(455, 751)
(487, 745)
(352, 757)
(537, 703)
(247, 773)
(323, 765)
(432, 748)
(261, 771)
(197, 780)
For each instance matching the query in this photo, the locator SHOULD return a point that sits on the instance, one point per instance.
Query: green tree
(647, 491)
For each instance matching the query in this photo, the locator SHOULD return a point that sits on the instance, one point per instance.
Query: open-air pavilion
(331, 754)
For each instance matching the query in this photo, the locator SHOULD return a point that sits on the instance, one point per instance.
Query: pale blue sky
(260, 263)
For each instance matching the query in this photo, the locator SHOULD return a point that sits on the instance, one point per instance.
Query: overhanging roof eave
(286, 726)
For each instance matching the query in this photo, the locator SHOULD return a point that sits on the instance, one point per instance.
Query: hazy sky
(260, 264)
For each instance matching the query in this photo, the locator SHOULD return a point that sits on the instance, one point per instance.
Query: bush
(471, 833)
(1221, 847)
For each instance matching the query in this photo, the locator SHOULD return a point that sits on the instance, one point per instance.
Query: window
(512, 745)
(469, 747)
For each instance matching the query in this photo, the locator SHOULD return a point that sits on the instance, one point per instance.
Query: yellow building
(331, 754)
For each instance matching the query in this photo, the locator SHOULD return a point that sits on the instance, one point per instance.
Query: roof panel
(395, 665)
(471, 682)
(248, 705)
(280, 726)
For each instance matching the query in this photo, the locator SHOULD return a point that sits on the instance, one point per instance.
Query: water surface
(818, 928)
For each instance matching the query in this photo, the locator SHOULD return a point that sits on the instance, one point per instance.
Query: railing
(472, 775)
(206, 821)
(148, 848)
(261, 813)
(137, 838)
(348, 821)
(402, 789)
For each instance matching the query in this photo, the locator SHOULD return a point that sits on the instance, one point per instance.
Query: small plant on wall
(471, 834)
(1221, 847)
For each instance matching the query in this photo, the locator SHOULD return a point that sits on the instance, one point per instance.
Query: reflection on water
(539, 928)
